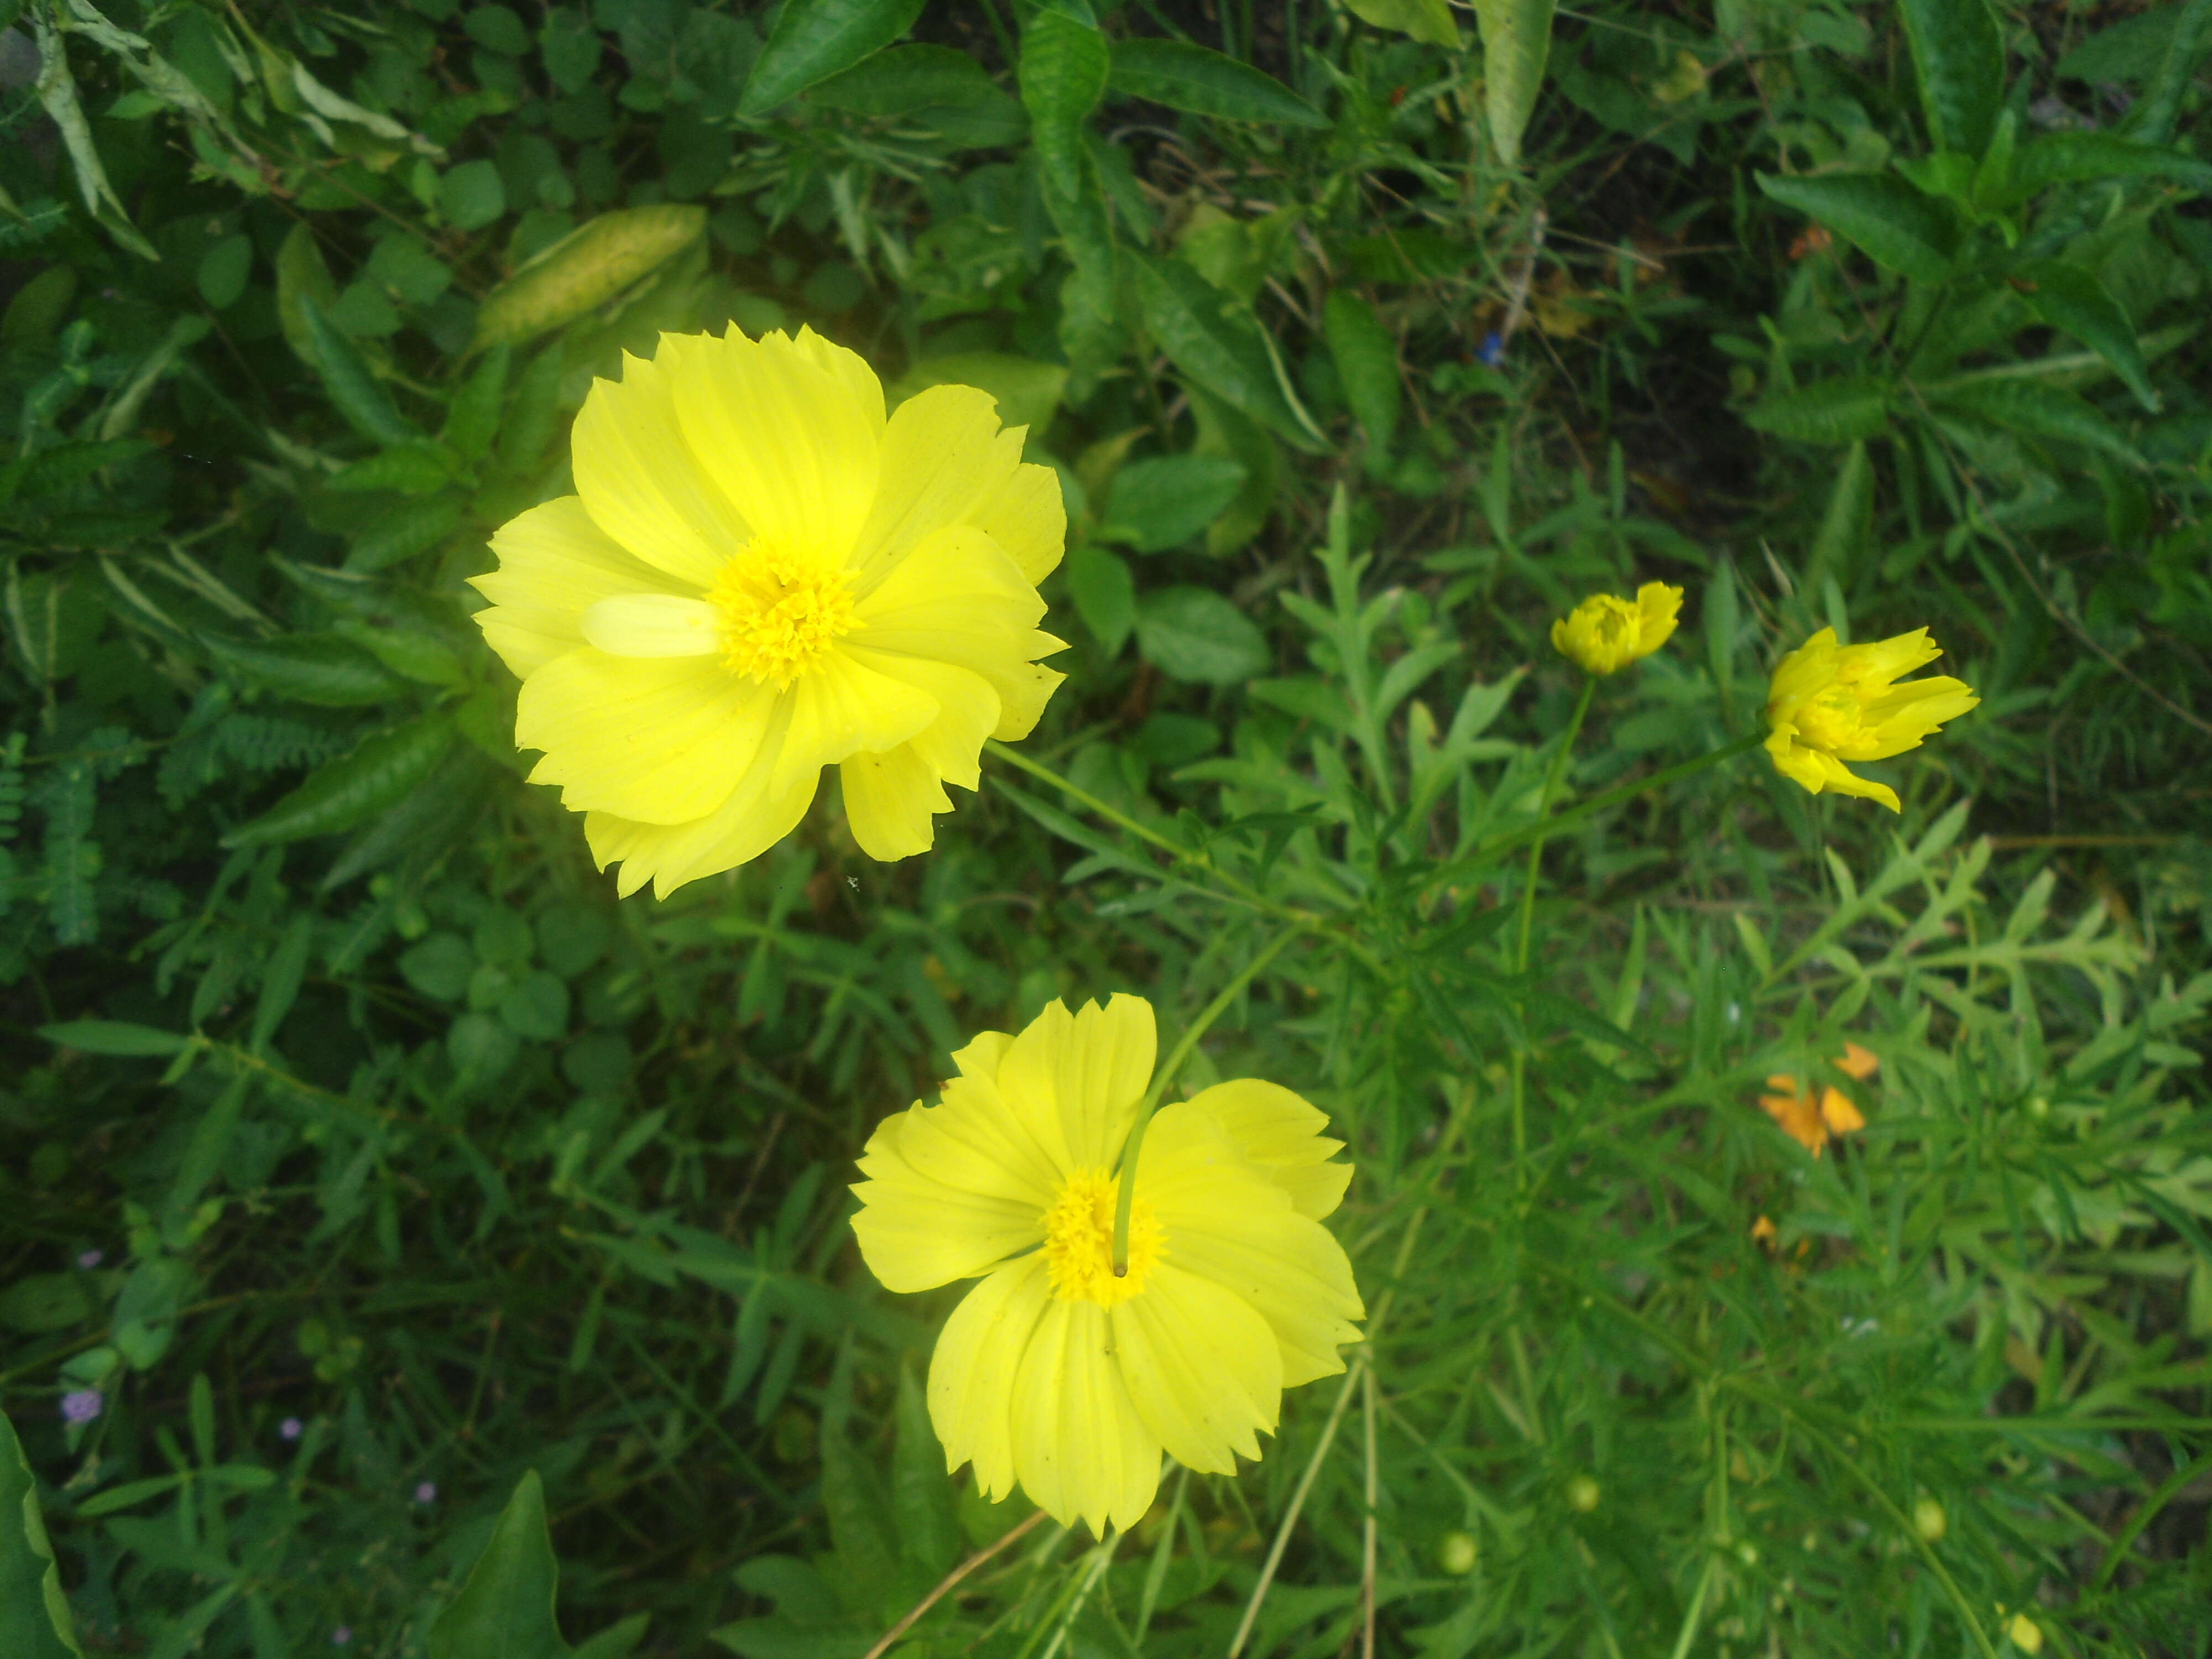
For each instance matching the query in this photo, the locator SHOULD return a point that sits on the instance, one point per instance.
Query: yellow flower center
(1078, 1241)
(781, 609)
(1834, 720)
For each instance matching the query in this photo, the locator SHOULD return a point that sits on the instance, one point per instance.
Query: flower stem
(1551, 778)
(1166, 1075)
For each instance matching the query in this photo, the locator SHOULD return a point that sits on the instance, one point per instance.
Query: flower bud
(1583, 1494)
(1929, 1523)
(1457, 1553)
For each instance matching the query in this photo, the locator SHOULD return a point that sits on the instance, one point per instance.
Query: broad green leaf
(2074, 157)
(1194, 634)
(403, 531)
(57, 90)
(280, 978)
(814, 40)
(1230, 435)
(1164, 502)
(860, 1524)
(570, 46)
(1841, 410)
(936, 87)
(586, 269)
(2128, 54)
(2037, 411)
(1215, 340)
(1892, 223)
(1366, 355)
(922, 1492)
(1206, 82)
(1425, 20)
(472, 418)
(410, 469)
(317, 668)
(302, 275)
(203, 1153)
(1516, 40)
(617, 1640)
(1062, 75)
(1959, 54)
(2173, 68)
(471, 195)
(1105, 596)
(505, 1610)
(41, 1303)
(113, 1037)
(223, 270)
(379, 772)
(34, 1615)
(1028, 392)
(2072, 300)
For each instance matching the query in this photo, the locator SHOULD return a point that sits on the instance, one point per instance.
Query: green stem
(1479, 861)
(1552, 775)
(1166, 1075)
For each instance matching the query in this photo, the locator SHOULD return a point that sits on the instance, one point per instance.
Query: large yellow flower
(759, 576)
(1053, 1372)
(1831, 704)
(1606, 633)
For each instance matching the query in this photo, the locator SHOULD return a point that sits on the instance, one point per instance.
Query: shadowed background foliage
(384, 1200)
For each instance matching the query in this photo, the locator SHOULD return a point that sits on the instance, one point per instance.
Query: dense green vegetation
(384, 1199)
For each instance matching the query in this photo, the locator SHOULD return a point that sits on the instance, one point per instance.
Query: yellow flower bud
(1929, 1523)
(1457, 1553)
(2027, 1635)
(1604, 634)
(1830, 703)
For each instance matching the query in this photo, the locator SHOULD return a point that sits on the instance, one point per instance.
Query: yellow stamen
(1078, 1241)
(781, 609)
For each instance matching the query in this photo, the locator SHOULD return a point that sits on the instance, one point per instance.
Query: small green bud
(1583, 1494)
(1929, 1523)
(1747, 1552)
(1457, 1553)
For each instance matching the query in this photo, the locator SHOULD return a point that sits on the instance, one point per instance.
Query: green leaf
(378, 773)
(472, 418)
(922, 1492)
(1836, 411)
(1164, 501)
(411, 469)
(56, 91)
(1425, 20)
(113, 1037)
(34, 1615)
(223, 270)
(505, 1610)
(1205, 82)
(615, 1641)
(2173, 68)
(1105, 595)
(2126, 54)
(1893, 224)
(2037, 411)
(317, 668)
(280, 978)
(302, 275)
(570, 47)
(472, 195)
(1960, 56)
(1516, 40)
(1844, 527)
(2074, 157)
(39, 1304)
(2072, 300)
(1366, 355)
(1230, 434)
(584, 269)
(815, 38)
(1194, 634)
(404, 530)
(439, 966)
(1214, 339)
(859, 1520)
(356, 392)
(1062, 75)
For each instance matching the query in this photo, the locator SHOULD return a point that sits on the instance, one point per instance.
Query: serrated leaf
(2037, 411)
(1366, 355)
(505, 1610)
(356, 392)
(584, 269)
(2072, 300)
(2062, 158)
(1213, 338)
(1164, 502)
(1062, 75)
(814, 40)
(34, 1615)
(1516, 40)
(1195, 633)
(1105, 596)
(315, 668)
(922, 1492)
(1836, 411)
(1886, 219)
(1959, 55)
(1206, 82)
(376, 774)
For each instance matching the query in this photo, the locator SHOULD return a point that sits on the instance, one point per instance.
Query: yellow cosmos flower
(1053, 1372)
(1831, 704)
(760, 575)
(1604, 634)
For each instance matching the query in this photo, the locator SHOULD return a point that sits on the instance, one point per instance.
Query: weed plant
(390, 1212)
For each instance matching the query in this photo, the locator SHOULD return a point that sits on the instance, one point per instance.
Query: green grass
(406, 1154)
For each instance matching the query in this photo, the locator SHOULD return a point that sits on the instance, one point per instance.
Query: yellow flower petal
(971, 1374)
(652, 625)
(1830, 703)
(789, 440)
(659, 741)
(639, 477)
(951, 745)
(843, 707)
(953, 1191)
(1080, 1449)
(1282, 1133)
(555, 563)
(1226, 1220)
(1077, 1078)
(891, 801)
(1604, 634)
(944, 458)
(1028, 519)
(1203, 1368)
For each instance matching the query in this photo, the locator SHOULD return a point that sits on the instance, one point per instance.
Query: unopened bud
(2027, 1635)
(1929, 1523)
(1457, 1553)
(1583, 1494)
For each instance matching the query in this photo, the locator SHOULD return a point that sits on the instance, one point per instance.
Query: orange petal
(1858, 1063)
(1840, 1115)
(1762, 1230)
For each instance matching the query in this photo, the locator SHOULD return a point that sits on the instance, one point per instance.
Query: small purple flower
(82, 1405)
(341, 1636)
(427, 1492)
(291, 1428)
(91, 1259)
(1492, 350)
